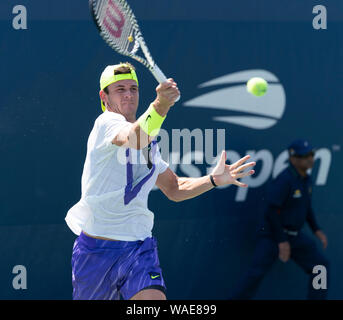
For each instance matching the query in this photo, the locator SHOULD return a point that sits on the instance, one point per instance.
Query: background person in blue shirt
(289, 207)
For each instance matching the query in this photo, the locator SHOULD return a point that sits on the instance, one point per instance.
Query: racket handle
(160, 77)
(158, 74)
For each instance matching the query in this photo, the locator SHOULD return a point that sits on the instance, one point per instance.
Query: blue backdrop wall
(49, 78)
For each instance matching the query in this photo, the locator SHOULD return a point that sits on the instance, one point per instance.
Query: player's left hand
(224, 174)
(322, 237)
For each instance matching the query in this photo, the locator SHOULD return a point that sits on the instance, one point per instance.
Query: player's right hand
(284, 251)
(167, 93)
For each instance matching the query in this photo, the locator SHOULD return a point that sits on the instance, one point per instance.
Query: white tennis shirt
(115, 185)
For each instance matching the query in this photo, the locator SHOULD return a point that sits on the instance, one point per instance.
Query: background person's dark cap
(300, 147)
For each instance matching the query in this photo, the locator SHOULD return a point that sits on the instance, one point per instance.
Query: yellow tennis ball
(257, 86)
(130, 38)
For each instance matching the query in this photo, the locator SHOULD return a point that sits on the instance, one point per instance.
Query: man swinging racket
(115, 255)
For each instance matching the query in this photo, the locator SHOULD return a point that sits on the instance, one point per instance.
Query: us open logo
(240, 107)
(230, 102)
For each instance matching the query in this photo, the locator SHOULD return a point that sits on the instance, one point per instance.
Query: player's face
(123, 97)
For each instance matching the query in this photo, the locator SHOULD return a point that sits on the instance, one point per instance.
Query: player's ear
(103, 96)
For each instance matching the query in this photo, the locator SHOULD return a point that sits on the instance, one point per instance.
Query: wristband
(212, 181)
(150, 121)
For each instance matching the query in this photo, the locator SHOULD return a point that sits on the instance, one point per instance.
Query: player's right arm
(142, 131)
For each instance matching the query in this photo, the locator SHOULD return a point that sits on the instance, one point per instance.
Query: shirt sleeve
(111, 124)
(160, 163)
(163, 166)
(311, 220)
(278, 193)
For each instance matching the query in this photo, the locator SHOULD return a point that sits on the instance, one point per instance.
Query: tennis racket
(118, 26)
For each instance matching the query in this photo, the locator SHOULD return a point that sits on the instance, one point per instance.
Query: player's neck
(130, 116)
(131, 119)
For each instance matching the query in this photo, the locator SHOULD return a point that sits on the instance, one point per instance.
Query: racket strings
(109, 18)
(117, 23)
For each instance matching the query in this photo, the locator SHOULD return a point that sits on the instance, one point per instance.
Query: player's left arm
(182, 188)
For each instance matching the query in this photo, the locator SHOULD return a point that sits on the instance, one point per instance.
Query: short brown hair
(123, 68)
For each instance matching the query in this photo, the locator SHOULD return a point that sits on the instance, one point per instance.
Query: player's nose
(128, 94)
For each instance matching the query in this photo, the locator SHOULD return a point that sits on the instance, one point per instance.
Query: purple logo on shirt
(130, 191)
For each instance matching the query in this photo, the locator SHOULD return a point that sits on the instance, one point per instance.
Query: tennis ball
(257, 86)
(130, 38)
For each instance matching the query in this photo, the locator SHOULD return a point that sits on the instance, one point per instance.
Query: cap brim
(305, 151)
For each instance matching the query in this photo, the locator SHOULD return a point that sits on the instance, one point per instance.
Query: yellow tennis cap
(108, 77)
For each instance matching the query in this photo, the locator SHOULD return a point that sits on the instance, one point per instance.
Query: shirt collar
(296, 173)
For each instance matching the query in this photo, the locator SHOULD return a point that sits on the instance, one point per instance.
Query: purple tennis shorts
(114, 270)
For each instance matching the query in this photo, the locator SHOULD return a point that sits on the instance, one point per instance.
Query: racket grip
(158, 74)
(160, 77)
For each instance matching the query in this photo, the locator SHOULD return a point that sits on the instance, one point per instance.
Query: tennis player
(115, 255)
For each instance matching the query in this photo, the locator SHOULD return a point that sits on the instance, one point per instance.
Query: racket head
(117, 25)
